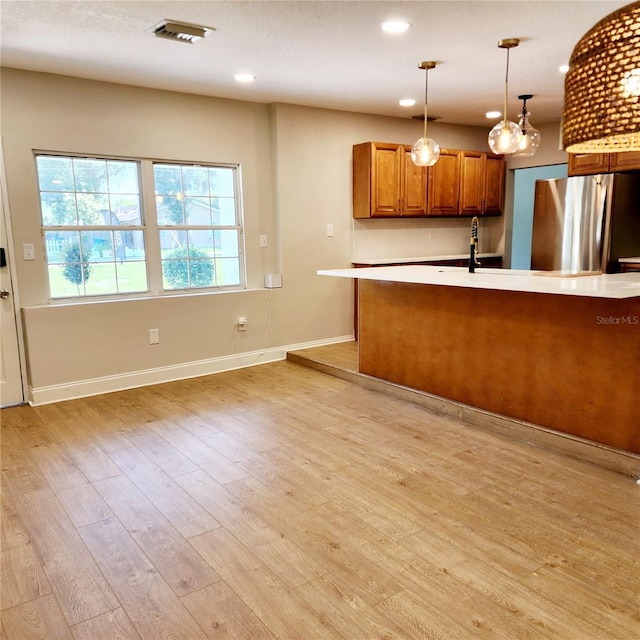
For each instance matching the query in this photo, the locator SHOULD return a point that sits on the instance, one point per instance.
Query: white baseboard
(182, 371)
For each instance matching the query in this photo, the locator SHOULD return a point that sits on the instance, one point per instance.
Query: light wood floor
(280, 502)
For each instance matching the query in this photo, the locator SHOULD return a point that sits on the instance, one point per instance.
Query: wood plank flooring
(281, 502)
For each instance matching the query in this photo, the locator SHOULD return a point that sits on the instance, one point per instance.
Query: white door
(11, 387)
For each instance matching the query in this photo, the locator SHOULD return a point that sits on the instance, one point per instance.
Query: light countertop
(617, 286)
(630, 260)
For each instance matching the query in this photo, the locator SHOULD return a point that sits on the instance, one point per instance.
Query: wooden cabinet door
(385, 180)
(414, 187)
(471, 183)
(494, 170)
(444, 182)
(585, 164)
(625, 161)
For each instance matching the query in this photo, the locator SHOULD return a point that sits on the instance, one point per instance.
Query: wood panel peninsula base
(567, 362)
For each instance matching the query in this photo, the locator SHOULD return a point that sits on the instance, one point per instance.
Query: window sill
(140, 298)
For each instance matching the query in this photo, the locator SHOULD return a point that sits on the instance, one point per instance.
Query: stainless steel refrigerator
(586, 223)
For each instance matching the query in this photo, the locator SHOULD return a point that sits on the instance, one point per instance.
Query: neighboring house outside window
(100, 227)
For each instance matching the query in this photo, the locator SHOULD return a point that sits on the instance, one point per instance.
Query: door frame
(13, 275)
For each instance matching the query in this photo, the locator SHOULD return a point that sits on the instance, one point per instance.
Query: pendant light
(505, 136)
(602, 87)
(529, 139)
(425, 152)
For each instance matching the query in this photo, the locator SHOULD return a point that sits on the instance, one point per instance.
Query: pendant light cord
(426, 94)
(506, 89)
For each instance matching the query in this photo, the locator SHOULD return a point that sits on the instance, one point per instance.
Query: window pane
(55, 174)
(198, 210)
(170, 210)
(125, 209)
(132, 276)
(103, 247)
(224, 211)
(57, 243)
(201, 243)
(58, 209)
(171, 240)
(123, 177)
(201, 273)
(227, 272)
(71, 276)
(175, 269)
(60, 286)
(226, 243)
(102, 280)
(132, 243)
(90, 175)
(221, 181)
(168, 179)
(93, 208)
(186, 269)
(195, 181)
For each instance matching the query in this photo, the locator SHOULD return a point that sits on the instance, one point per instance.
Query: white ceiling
(329, 54)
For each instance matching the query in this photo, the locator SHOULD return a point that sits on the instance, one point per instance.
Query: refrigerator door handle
(606, 236)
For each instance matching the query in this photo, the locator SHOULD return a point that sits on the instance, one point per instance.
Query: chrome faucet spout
(473, 245)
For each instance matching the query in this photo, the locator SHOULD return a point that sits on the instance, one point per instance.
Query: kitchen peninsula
(559, 352)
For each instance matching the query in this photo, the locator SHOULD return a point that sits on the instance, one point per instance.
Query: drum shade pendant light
(602, 87)
(505, 136)
(425, 152)
(529, 140)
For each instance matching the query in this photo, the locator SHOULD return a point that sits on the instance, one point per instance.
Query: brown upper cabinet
(466, 183)
(585, 164)
(462, 183)
(386, 184)
(480, 183)
(443, 192)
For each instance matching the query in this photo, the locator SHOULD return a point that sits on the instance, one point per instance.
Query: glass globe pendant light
(505, 136)
(529, 136)
(425, 152)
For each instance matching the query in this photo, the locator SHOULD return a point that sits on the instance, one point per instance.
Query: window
(198, 226)
(93, 228)
(101, 229)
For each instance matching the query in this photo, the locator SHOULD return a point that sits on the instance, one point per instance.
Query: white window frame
(186, 227)
(151, 230)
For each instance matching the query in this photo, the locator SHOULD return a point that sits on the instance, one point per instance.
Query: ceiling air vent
(180, 31)
(429, 118)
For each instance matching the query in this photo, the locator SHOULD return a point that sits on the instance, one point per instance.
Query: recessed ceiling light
(563, 68)
(395, 26)
(492, 114)
(244, 77)
(406, 102)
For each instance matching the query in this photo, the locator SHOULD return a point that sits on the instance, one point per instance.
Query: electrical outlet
(264, 241)
(241, 323)
(154, 336)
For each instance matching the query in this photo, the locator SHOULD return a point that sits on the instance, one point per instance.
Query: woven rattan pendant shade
(602, 87)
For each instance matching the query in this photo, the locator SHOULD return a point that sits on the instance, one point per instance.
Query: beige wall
(296, 171)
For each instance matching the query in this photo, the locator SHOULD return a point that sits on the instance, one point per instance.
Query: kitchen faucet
(473, 245)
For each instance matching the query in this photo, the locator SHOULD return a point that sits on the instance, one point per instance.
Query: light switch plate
(28, 252)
